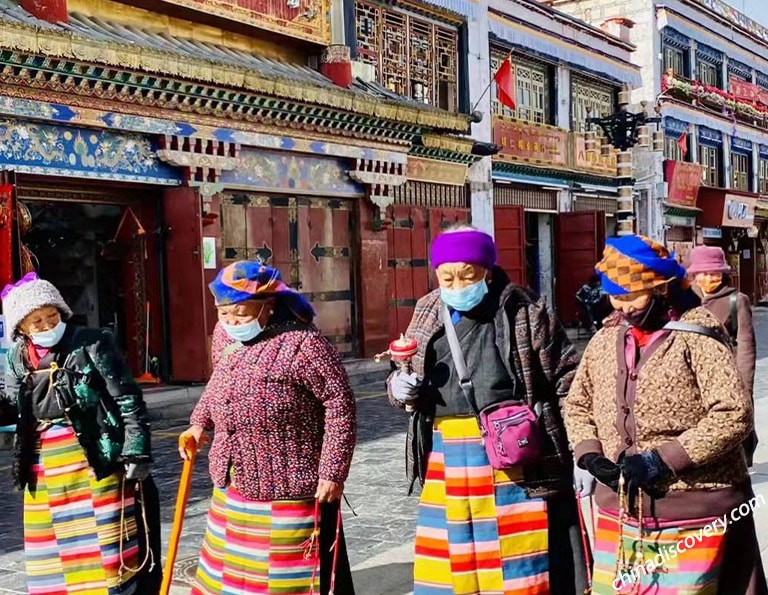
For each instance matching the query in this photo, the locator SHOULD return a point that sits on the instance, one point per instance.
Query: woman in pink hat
(711, 271)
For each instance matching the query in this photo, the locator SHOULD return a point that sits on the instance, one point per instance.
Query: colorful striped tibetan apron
(72, 537)
(477, 533)
(255, 547)
(666, 570)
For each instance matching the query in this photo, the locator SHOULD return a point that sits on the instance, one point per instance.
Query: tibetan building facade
(553, 202)
(712, 185)
(145, 145)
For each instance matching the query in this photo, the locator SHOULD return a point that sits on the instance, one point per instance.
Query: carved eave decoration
(64, 44)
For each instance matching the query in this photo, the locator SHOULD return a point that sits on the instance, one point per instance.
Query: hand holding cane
(189, 445)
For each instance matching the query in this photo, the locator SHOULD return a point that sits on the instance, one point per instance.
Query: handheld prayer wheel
(400, 351)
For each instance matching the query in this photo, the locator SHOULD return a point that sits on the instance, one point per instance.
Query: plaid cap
(636, 263)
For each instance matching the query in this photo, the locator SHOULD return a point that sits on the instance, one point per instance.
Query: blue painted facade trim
(709, 137)
(541, 181)
(527, 41)
(740, 145)
(55, 150)
(675, 127)
(675, 39)
(763, 149)
(709, 55)
(740, 69)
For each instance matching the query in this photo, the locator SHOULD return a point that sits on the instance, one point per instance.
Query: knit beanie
(27, 295)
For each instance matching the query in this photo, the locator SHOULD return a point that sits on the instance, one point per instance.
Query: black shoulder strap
(465, 381)
(689, 327)
(733, 315)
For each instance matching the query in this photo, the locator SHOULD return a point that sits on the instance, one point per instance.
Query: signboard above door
(531, 143)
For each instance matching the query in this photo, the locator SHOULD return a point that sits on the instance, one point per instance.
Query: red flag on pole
(505, 84)
(682, 142)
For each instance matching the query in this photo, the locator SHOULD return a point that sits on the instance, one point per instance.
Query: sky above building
(756, 9)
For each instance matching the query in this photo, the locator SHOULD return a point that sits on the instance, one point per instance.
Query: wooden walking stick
(178, 516)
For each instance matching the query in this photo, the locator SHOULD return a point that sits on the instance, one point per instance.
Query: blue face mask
(466, 298)
(49, 338)
(243, 332)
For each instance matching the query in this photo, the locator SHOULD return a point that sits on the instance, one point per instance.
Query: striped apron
(72, 523)
(253, 547)
(477, 532)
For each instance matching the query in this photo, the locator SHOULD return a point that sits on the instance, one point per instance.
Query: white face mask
(49, 338)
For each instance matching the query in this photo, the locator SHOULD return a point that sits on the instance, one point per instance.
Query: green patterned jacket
(93, 391)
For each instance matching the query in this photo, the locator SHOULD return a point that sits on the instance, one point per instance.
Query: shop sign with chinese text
(739, 211)
(593, 162)
(531, 143)
(683, 182)
(748, 92)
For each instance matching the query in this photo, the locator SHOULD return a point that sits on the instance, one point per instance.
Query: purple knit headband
(472, 247)
(28, 278)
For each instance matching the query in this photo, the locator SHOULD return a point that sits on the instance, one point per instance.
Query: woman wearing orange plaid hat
(657, 413)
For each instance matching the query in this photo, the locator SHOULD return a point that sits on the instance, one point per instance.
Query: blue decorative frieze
(675, 127)
(740, 69)
(709, 137)
(761, 79)
(45, 149)
(763, 151)
(708, 54)
(307, 174)
(675, 39)
(740, 145)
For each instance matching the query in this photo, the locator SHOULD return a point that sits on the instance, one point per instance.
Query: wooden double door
(579, 240)
(310, 241)
(410, 273)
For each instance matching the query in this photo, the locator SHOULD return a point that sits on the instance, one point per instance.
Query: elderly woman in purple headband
(485, 344)
(82, 451)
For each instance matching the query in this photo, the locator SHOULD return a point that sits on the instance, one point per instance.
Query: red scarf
(36, 354)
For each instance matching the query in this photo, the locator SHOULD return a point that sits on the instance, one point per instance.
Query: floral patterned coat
(282, 412)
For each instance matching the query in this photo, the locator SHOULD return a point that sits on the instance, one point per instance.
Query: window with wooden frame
(710, 158)
(674, 60)
(672, 149)
(763, 175)
(413, 56)
(589, 99)
(740, 171)
(531, 87)
(709, 74)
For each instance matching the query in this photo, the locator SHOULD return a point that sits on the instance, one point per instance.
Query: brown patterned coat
(685, 399)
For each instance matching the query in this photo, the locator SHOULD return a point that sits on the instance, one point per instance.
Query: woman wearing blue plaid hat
(282, 414)
(657, 413)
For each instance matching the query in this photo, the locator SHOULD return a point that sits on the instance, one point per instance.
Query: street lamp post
(624, 130)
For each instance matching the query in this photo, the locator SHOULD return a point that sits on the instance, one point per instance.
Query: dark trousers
(742, 570)
(152, 575)
(567, 558)
(328, 516)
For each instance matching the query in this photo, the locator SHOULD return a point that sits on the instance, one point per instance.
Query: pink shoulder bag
(510, 429)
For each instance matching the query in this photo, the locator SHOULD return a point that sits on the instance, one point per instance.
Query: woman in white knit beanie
(82, 447)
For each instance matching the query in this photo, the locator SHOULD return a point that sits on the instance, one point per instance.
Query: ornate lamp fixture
(624, 130)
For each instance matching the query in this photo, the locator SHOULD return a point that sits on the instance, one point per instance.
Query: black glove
(645, 470)
(603, 469)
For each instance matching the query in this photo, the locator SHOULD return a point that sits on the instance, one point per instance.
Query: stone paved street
(380, 536)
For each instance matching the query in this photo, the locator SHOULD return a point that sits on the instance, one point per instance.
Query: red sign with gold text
(305, 19)
(683, 181)
(522, 141)
(748, 92)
